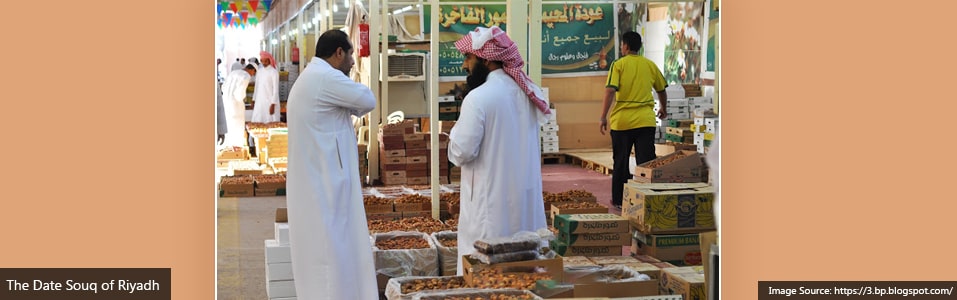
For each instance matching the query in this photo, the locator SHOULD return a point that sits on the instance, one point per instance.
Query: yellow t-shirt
(633, 77)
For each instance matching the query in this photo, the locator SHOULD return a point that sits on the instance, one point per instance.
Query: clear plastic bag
(521, 241)
(397, 289)
(448, 256)
(506, 257)
(405, 262)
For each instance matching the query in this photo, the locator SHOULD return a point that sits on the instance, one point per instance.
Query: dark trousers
(643, 141)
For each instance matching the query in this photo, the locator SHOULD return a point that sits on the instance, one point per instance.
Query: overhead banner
(577, 38)
(455, 21)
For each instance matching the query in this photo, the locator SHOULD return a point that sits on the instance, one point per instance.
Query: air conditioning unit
(405, 67)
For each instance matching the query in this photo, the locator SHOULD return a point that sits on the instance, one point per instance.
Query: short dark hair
(632, 39)
(249, 67)
(331, 40)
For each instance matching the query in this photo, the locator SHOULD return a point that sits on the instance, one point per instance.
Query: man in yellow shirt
(631, 79)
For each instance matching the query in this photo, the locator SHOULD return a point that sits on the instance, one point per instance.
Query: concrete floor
(244, 223)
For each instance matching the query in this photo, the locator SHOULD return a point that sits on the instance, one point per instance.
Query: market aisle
(563, 177)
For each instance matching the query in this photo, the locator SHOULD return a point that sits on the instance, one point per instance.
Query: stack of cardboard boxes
(279, 279)
(704, 130)
(590, 234)
(455, 172)
(668, 219)
(549, 134)
(405, 156)
(277, 144)
(363, 161)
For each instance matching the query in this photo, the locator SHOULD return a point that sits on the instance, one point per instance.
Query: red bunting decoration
(233, 7)
(254, 5)
(245, 15)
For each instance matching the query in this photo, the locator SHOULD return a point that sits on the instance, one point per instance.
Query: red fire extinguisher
(295, 55)
(364, 38)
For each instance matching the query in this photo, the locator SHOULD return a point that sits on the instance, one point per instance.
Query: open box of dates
(406, 288)
(401, 253)
(478, 294)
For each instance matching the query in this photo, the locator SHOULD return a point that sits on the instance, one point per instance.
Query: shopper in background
(236, 66)
(266, 93)
(496, 143)
(329, 237)
(631, 80)
(220, 116)
(219, 74)
(234, 94)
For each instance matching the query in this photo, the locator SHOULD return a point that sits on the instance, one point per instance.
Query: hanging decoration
(241, 13)
(254, 5)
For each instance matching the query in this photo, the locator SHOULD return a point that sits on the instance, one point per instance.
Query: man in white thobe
(329, 237)
(496, 143)
(234, 95)
(266, 93)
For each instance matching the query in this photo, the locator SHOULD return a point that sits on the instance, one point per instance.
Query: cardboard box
(613, 260)
(644, 268)
(552, 266)
(418, 136)
(378, 208)
(417, 144)
(416, 262)
(416, 152)
(396, 175)
(417, 180)
(555, 210)
(708, 240)
(590, 223)
(549, 127)
(384, 216)
(281, 233)
(680, 166)
(278, 271)
(595, 239)
(677, 249)
(258, 192)
(646, 259)
(685, 281)
(237, 190)
(391, 153)
(669, 208)
(416, 173)
(404, 207)
(442, 145)
(415, 167)
(281, 215)
(417, 214)
(617, 289)
(549, 139)
(276, 253)
(280, 289)
(563, 249)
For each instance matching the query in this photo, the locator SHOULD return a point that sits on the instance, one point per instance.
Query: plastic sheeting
(405, 262)
(393, 290)
(448, 256)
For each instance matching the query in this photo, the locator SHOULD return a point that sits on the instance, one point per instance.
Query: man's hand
(662, 113)
(272, 109)
(604, 125)
(220, 139)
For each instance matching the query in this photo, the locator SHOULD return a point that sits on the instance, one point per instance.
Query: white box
(549, 134)
(550, 149)
(546, 139)
(553, 117)
(677, 102)
(701, 106)
(549, 145)
(698, 121)
(549, 127)
(279, 271)
(446, 98)
(282, 233)
(279, 289)
(545, 92)
(697, 100)
(712, 125)
(276, 253)
(679, 116)
(551, 122)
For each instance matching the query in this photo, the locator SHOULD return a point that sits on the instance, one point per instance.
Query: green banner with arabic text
(455, 21)
(577, 37)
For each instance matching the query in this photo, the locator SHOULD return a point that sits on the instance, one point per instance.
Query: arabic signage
(455, 21)
(577, 38)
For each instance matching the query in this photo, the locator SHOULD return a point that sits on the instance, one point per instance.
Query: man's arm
(663, 100)
(605, 105)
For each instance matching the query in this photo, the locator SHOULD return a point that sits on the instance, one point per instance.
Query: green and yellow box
(669, 208)
(590, 223)
(677, 249)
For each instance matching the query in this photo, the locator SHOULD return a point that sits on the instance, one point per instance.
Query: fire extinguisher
(295, 55)
(364, 38)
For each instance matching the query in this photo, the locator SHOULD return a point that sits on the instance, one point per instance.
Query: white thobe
(329, 237)
(266, 93)
(496, 143)
(234, 94)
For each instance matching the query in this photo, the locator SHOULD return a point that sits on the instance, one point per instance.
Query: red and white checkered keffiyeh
(264, 55)
(493, 44)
